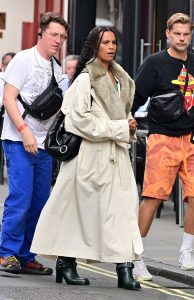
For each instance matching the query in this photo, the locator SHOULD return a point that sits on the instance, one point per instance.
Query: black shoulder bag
(168, 107)
(59, 143)
(46, 104)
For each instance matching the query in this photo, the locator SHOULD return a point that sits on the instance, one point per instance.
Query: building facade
(140, 24)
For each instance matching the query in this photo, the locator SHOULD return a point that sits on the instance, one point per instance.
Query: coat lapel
(117, 107)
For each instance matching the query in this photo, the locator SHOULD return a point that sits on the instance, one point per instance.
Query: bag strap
(57, 61)
(187, 76)
(53, 79)
(25, 105)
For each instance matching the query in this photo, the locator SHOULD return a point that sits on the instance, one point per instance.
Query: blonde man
(170, 151)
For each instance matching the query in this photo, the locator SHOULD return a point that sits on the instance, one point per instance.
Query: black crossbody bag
(169, 106)
(46, 104)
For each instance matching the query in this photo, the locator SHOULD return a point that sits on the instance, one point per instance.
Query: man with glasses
(55, 35)
(29, 167)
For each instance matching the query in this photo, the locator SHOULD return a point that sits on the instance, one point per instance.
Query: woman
(92, 210)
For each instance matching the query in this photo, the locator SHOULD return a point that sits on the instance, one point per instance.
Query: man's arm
(11, 107)
(144, 82)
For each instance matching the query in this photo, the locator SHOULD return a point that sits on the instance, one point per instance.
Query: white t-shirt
(31, 74)
(1, 88)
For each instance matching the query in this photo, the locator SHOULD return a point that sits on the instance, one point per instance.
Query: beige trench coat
(92, 209)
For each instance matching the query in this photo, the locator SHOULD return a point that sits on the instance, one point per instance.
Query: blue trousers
(29, 182)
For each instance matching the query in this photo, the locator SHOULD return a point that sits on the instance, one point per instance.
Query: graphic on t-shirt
(189, 97)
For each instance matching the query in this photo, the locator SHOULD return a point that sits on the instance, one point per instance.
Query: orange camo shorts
(165, 158)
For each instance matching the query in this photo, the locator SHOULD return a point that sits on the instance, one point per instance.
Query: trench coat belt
(121, 164)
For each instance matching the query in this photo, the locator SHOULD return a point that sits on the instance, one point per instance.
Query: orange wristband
(22, 127)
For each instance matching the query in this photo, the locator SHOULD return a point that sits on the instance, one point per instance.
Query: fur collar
(116, 107)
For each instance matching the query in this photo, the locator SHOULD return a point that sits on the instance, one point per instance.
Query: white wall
(17, 11)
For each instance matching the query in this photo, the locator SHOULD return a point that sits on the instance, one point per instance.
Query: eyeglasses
(54, 36)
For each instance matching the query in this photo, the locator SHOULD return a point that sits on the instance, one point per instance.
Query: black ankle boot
(66, 268)
(125, 277)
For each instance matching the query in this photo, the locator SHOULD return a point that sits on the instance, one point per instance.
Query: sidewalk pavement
(161, 246)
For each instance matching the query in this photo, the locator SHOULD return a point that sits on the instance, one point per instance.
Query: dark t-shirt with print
(162, 73)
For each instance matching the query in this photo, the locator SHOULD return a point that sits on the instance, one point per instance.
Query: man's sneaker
(10, 264)
(141, 272)
(186, 261)
(36, 268)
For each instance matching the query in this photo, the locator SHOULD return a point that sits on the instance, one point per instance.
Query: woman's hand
(132, 125)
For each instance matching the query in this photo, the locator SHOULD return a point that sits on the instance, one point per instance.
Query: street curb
(171, 274)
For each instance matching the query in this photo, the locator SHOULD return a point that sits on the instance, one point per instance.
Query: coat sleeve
(96, 127)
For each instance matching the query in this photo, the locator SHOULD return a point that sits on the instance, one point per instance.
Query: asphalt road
(103, 280)
(103, 286)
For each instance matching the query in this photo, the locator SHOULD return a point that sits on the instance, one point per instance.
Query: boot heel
(59, 277)
(125, 277)
(66, 269)
(120, 283)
